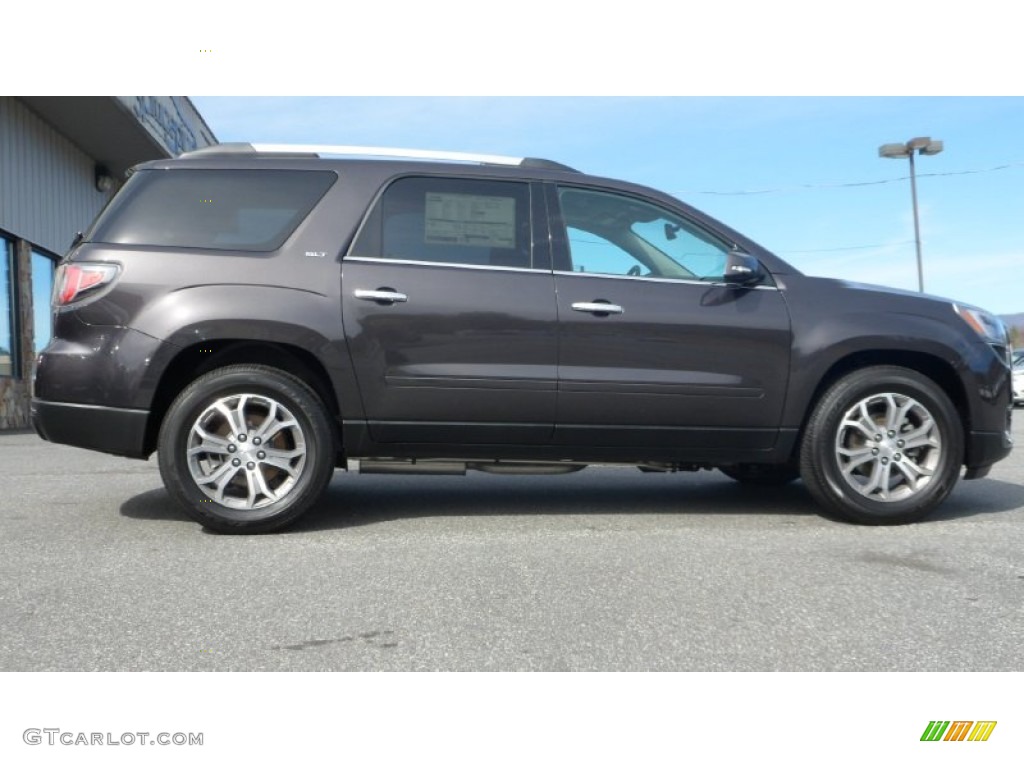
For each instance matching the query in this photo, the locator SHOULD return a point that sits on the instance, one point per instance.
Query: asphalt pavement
(605, 569)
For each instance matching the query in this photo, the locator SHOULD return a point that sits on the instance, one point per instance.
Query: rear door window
(250, 210)
(473, 222)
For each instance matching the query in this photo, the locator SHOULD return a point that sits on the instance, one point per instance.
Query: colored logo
(958, 730)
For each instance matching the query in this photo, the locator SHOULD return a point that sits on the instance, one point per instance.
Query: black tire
(898, 437)
(281, 473)
(773, 475)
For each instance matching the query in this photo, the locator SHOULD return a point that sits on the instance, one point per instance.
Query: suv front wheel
(246, 449)
(883, 446)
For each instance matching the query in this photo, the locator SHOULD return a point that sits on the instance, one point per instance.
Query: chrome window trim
(449, 264)
(706, 283)
(561, 273)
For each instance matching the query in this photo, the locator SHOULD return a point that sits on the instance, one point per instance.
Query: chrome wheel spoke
(913, 472)
(878, 482)
(214, 477)
(222, 484)
(855, 459)
(219, 479)
(922, 436)
(268, 422)
(891, 412)
(268, 432)
(209, 444)
(867, 427)
(251, 486)
(855, 454)
(864, 422)
(282, 460)
(233, 416)
(901, 414)
(884, 481)
(258, 486)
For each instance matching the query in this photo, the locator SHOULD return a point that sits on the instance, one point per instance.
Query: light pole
(925, 146)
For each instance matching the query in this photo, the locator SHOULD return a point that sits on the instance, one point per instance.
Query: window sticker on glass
(470, 220)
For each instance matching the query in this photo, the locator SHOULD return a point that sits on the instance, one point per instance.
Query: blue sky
(789, 155)
(793, 96)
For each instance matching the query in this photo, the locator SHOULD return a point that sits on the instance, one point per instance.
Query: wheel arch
(935, 368)
(202, 357)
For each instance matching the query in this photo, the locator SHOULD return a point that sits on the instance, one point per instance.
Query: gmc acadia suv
(259, 316)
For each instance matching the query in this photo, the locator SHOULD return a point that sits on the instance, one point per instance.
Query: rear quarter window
(251, 210)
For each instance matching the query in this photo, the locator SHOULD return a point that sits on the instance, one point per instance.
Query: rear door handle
(599, 307)
(382, 295)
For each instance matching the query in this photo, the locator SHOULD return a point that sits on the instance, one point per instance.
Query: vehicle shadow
(156, 504)
(360, 500)
(587, 493)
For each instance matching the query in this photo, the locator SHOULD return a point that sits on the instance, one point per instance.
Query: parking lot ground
(605, 569)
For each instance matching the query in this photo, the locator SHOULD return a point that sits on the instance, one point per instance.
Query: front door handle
(599, 307)
(381, 295)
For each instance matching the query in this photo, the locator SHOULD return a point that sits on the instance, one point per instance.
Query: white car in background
(1018, 381)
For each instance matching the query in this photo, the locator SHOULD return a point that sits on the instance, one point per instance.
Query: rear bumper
(120, 431)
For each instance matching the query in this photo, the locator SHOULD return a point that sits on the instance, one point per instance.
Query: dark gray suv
(259, 316)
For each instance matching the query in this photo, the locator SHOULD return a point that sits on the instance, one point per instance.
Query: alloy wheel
(888, 447)
(246, 451)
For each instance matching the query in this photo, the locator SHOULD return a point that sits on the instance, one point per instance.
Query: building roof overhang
(104, 127)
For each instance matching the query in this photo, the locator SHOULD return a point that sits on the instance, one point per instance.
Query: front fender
(831, 339)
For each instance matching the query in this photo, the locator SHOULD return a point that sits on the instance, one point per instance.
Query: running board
(448, 467)
(385, 466)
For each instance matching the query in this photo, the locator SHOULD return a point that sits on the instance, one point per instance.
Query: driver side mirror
(742, 270)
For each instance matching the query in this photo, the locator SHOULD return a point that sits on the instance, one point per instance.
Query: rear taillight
(74, 282)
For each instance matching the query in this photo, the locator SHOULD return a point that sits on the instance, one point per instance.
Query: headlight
(986, 325)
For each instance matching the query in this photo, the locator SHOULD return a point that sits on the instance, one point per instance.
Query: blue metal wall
(47, 185)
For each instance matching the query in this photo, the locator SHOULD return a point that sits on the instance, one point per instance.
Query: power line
(898, 243)
(838, 185)
(850, 248)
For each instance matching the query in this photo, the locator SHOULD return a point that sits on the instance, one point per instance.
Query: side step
(391, 466)
(448, 467)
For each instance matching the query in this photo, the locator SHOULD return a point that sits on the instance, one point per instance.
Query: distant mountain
(1014, 321)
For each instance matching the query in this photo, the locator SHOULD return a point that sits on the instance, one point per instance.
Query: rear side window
(251, 210)
(450, 221)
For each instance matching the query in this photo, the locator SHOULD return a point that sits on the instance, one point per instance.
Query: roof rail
(344, 150)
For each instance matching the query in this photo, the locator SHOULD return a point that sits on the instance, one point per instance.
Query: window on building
(8, 339)
(43, 267)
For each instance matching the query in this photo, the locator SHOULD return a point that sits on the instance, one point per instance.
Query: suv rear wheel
(246, 449)
(883, 446)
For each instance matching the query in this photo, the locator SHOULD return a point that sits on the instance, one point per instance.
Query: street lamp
(925, 146)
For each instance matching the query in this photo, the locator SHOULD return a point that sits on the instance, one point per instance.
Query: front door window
(616, 235)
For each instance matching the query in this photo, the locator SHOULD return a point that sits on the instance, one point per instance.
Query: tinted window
(618, 235)
(252, 210)
(593, 253)
(454, 221)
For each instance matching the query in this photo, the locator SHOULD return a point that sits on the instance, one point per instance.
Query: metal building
(61, 159)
